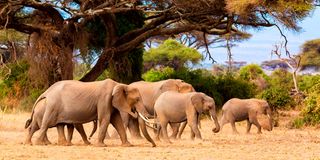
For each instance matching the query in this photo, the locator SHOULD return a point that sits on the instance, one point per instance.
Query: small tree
(171, 53)
(293, 61)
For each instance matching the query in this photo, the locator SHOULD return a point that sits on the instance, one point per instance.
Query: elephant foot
(27, 142)
(100, 144)
(127, 144)
(63, 143)
(259, 132)
(40, 142)
(47, 142)
(87, 143)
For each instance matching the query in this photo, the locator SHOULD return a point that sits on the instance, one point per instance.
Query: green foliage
(16, 91)
(221, 88)
(281, 78)
(306, 82)
(171, 53)
(251, 72)
(12, 35)
(156, 75)
(310, 55)
(278, 98)
(311, 111)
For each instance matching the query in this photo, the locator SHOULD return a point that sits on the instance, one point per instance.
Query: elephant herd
(72, 103)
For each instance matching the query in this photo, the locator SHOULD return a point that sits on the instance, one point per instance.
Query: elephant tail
(28, 122)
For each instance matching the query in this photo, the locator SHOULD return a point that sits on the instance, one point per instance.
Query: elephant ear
(119, 99)
(197, 101)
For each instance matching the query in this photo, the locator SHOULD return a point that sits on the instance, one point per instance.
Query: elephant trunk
(269, 114)
(215, 119)
(145, 132)
(142, 109)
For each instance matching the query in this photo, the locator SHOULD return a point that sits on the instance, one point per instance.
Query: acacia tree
(171, 53)
(58, 24)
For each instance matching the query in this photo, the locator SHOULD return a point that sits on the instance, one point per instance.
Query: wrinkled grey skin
(174, 107)
(150, 91)
(75, 102)
(236, 110)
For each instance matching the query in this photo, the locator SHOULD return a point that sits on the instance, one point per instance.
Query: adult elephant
(150, 91)
(174, 107)
(236, 110)
(75, 102)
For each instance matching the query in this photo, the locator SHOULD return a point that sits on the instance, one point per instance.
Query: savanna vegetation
(43, 42)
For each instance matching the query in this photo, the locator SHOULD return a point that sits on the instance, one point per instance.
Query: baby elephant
(175, 107)
(236, 110)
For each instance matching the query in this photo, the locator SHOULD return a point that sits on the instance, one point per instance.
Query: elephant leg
(61, 136)
(233, 125)
(223, 121)
(103, 125)
(256, 123)
(192, 121)
(182, 127)
(33, 128)
(248, 126)
(192, 135)
(157, 134)
(44, 127)
(84, 137)
(164, 131)
(46, 140)
(70, 128)
(117, 123)
(134, 128)
(175, 130)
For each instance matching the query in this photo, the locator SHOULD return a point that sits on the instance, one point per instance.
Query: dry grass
(281, 143)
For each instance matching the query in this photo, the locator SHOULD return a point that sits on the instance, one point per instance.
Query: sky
(258, 47)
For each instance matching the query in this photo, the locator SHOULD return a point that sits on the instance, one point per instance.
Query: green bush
(157, 75)
(221, 88)
(281, 78)
(278, 98)
(16, 91)
(307, 82)
(311, 112)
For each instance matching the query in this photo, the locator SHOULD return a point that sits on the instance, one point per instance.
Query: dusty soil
(281, 143)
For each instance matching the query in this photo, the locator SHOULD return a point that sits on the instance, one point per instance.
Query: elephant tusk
(211, 117)
(146, 119)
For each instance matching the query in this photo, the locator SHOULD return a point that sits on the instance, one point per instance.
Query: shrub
(16, 91)
(281, 78)
(311, 112)
(278, 98)
(157, 75)
(307, 82)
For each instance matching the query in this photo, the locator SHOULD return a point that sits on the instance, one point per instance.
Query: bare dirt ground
(281, 143)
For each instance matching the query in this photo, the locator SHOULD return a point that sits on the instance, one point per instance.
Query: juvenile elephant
(150, 91)
(75, 102)
(236, 110)
(174, 107)
(39, 110)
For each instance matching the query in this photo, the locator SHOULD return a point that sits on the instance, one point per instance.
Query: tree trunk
(49, 62)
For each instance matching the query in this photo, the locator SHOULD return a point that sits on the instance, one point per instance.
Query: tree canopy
(171, 53)
(310, 56)
(57, 27)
